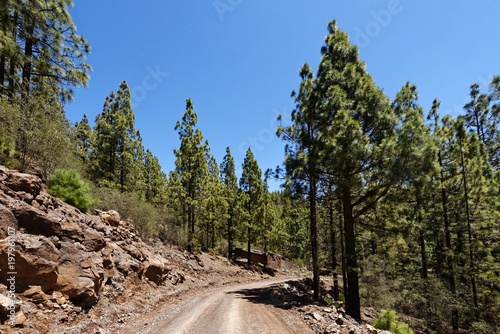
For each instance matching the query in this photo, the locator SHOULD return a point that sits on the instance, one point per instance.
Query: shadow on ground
(292, 293)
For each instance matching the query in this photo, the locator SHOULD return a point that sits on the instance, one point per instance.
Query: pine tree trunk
(249, 249)
(334, 250)
(342, 253)
(12, 61)
(450, 271)
(249, 231)
(2, 73)
(313, 222)
(207, 236)
(28, 63)
(353, 305)
(190, 216)
(265, 232)
(212, 234)
(438, 234)
(423, 254)
(190, 227)
(421, 238)
(5, 18)
(229, 237)
(469, 231)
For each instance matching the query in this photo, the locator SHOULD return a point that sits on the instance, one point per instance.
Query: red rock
(28, 183)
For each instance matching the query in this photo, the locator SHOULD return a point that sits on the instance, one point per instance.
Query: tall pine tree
(190, 165)
(251, 184)
(231, 194)
(116, 159)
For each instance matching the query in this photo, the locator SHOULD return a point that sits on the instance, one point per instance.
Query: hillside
(79, 273)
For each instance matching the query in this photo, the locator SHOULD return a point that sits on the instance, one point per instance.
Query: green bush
(387, 320)
(70, 188)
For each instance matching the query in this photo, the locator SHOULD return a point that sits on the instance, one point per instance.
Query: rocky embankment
(61, 268)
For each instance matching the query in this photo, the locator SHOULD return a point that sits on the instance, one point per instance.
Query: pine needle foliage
(388, 320)
(70, 188)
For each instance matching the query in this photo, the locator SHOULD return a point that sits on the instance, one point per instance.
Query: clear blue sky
(238, 60)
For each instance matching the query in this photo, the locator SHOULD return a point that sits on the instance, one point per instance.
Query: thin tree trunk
(469, 231)
(207, 236)
(5, 18)
(190, 228)
(313, 222)
(12, 61)
(353, 305)
(342, 253)
(212, 234)
(190, 216)
(334, 250)
(28, 63)
(229, 237)
(450, 272)
(249, 249)
(423, 254)
(2, 73)
(265, 230)
(421, 238)
(438, 234)
(249, 231)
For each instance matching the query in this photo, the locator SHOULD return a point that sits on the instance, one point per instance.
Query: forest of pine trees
(399, 203)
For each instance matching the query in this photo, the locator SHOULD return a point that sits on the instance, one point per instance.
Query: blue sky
(238, 60)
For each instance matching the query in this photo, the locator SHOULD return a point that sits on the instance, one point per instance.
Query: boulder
(5, 305)
(36, 294)
(111, 217)
(36, 261)
(9, 307)
(154, 269)
(34, 221)
(58, 297)
(80, 274)
(7, 219)
(28, 183)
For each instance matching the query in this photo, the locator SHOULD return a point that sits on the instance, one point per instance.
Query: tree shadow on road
(285, 295)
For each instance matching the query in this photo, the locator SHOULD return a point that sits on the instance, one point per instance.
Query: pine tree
(359, 136)
(484, 120)
(117, 156)
(83, 138)
(251, 184)
(346, 129)
(41, 44)
(230, 182)
(450, 204)
(189, 165)
(155, 180)
(213, 205)
(295, 216)
(302, 161)
(419, 145)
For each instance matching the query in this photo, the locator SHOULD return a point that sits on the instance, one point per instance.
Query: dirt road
(244, 308)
